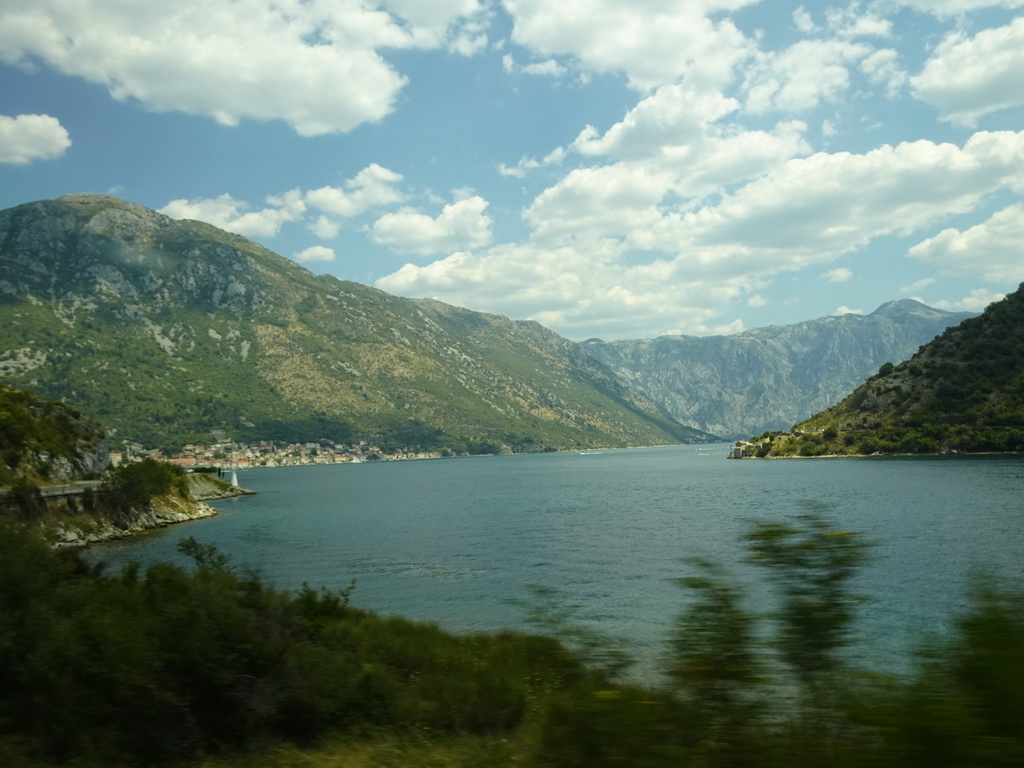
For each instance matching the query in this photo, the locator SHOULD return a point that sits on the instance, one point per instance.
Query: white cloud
(670, 142)
(944, 8)
(526, 164)
(802, 76)
(991, 250)
(736, 326)
(594, 203)
(882, 67)
(460, 225)
(313, 65)
(975, 301)
(315, 253)
(458, 25)
(844, 310)
(581, 272)
(26, 138)
(325, 228)
(967, 78)
(581, 292)
(853, 21)
(233, 215)
(838, 275)
(653, 43)
(757, 301)
(803, 21)
(918, 285)
(372, 187)
(814, 208)
(546, 68)
(671, 116)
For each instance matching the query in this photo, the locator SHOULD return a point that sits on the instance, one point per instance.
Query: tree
(133, 485)
(715, 655)
(813, 564)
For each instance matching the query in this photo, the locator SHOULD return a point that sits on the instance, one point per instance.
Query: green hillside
(165, 330)
(44, 441)
(963, 392)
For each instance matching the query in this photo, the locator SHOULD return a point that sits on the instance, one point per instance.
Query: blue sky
(611, 168)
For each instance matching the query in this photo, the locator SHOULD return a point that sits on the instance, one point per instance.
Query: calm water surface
(454, 541)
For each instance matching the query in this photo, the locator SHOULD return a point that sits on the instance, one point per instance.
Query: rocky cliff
(769, 378)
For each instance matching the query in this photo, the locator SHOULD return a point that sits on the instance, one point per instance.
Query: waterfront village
(224, 454)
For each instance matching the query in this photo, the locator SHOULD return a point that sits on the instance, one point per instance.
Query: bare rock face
(770, 378)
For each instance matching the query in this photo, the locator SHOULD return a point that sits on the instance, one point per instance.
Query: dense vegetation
(35, 432)
(165, 666)
(135, 484)
(962, 393)
(133, 496)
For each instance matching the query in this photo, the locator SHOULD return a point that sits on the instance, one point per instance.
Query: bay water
(461, 541)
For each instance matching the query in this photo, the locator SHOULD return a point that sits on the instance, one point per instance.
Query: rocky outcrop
(206, 487)
(769, 378)
(65, 528)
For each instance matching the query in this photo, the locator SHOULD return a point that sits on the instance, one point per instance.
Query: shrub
(133, 485)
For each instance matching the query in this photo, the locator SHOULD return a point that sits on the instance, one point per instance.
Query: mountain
(768, 378)
(165, 330)
(963, 392)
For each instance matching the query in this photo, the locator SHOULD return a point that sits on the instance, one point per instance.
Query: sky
(608, 168)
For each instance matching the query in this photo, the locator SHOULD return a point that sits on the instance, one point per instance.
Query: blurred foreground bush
(167, 666)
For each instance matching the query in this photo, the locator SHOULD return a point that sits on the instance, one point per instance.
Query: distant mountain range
(169, 330)
(769, 378)
(165, 330)
(963, 393)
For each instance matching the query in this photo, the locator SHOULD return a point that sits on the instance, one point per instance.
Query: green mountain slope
(164, 330)
(962, 392)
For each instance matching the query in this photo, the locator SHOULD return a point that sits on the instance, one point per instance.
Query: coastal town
(225, 454)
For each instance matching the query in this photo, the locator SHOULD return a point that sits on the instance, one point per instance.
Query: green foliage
(133, 485)
(812, 563)
(25, 499)
(548, 612)
(965, 702)
(204, 555)
(155, 667)
(31, 427)
(165, 666)
(716, 657)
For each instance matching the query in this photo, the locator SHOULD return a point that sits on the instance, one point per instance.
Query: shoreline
(891, 455)
(80, 531)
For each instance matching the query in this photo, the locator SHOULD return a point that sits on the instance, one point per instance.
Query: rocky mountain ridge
(769, 378)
